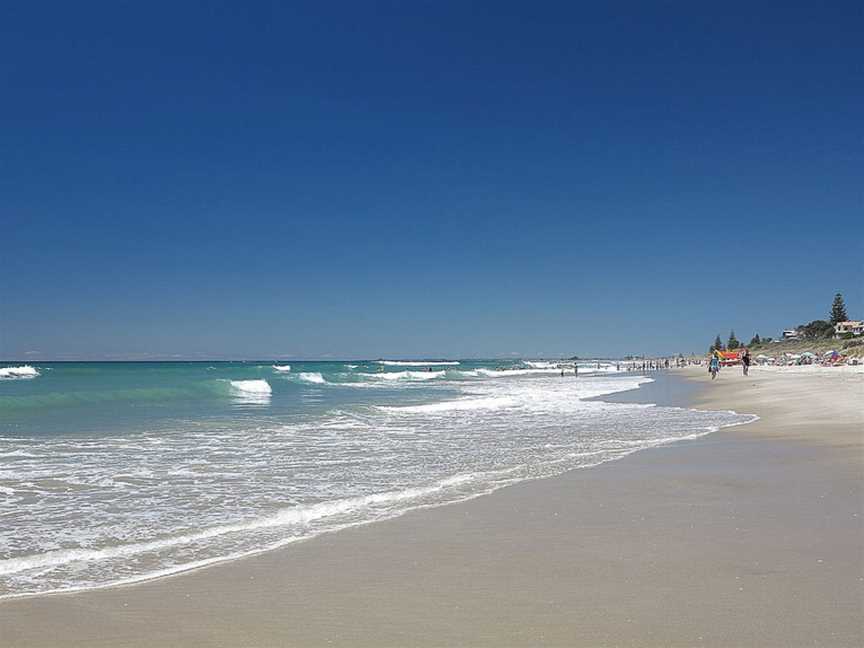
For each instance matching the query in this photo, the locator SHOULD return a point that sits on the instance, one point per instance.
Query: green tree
(755, 340)
(717, 346)
(838, 309)
(733, 341)
(817, 329)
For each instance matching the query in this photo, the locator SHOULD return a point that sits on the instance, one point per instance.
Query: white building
(791, 334)
(855, 327)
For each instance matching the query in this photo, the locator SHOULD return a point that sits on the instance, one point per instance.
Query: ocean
(119, 472)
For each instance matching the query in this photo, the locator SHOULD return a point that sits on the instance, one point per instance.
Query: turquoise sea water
(117, 472)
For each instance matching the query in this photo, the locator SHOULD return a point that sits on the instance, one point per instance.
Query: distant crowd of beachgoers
(716, 360)
(831, 358)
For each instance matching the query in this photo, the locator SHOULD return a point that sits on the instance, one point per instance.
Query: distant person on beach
(575, 369)
(714, 365)
(745, 362)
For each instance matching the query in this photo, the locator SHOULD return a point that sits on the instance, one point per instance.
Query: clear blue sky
(362, 179)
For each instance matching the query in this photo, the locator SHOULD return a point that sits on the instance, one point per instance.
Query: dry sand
(748, 537)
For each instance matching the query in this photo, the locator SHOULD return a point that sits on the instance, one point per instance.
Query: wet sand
(748, 537)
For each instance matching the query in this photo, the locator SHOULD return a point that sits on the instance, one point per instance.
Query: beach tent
(729, 357)
(832, 356)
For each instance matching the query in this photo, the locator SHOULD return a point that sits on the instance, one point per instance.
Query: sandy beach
(390, 328)
(751, 536)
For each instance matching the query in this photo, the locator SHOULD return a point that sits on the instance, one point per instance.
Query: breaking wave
(470, 373)
(313, 377)
(13, 373)
(503, 373)
(463, 405)
(205, 484)
(404, 375)
(251, 386)
(419, 363)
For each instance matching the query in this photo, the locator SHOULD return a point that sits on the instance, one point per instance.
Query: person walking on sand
(745, 362)
(714, 365)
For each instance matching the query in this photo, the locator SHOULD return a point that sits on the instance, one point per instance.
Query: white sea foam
(470, 373)
(404, 375)
(539, 364)
(12, 373)
(282, 368)
(453, 406)
(312, 377)
(293, 516)
(593, 368)
(382, 506)
(504, 373)
(163, 501)
(419, 363)
(18, 453)
(251, 386)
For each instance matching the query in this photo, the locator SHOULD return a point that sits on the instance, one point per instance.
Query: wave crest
(467, 404)
(419, 363)
(404, 375)
(13, 373)
(251, 386)
(311, 377)
(500, 373)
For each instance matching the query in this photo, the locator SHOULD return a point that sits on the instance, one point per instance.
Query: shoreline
(679, 396)
(642, 393)
(294, 596)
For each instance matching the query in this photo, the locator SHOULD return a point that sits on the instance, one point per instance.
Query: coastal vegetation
(819, 346)
(838, 310)
(816, 336)
(732, 344)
